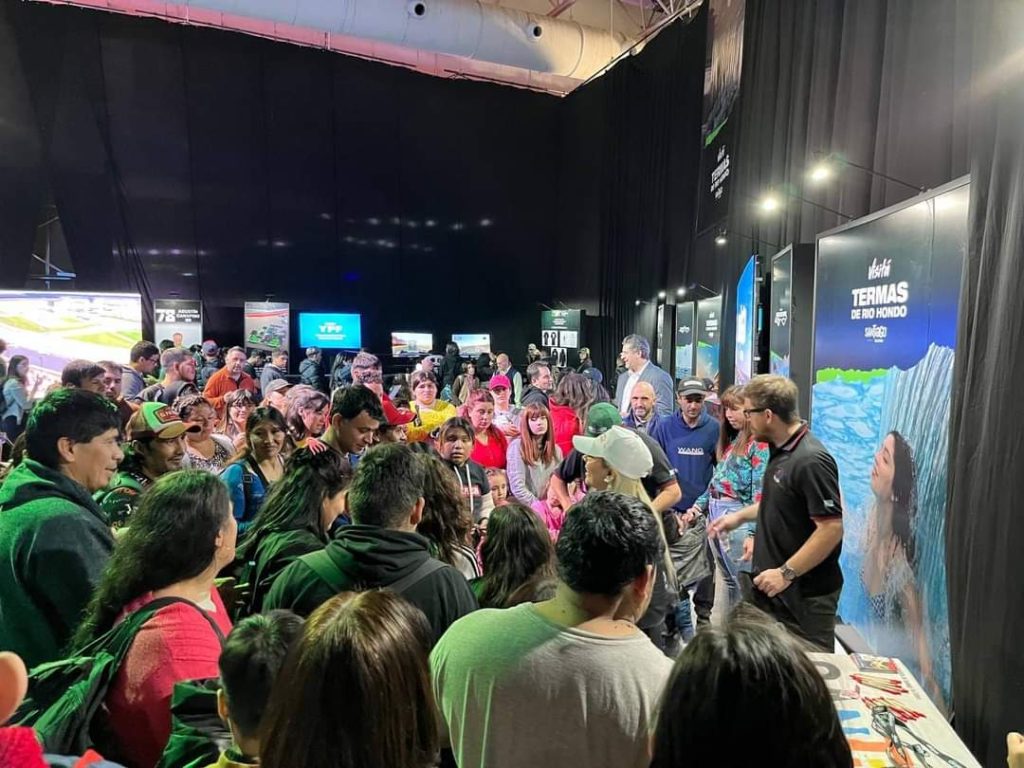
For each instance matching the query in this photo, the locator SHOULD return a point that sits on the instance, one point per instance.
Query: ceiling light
(430, 223)
(661, 294)
(681, 291)
(720, 239)
(820, 172)
(485, 222)
(637, 303)
(769, 203)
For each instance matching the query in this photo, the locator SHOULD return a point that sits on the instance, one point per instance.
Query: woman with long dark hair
(890, 556)
(17, 397)
(294, 520)
(238, 404)
(373, 648)
(308, 414)
(518, 559)
(258, 465)
(569, 404)
(446, 519)
(533, 456)
(181, 535)
(726, 681)
(735, 484)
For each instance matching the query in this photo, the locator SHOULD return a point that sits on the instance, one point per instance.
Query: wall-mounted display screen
(267, 325)
(684, 340)
(709, 338)
(472, 344)
(780, 319)
(179, 321)
(410, 344)
(331, 330)
(52, 328)
(746, 322)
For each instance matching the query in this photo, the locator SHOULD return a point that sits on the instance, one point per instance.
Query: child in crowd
(499, 486)
(253, 654)
(550, 509)
(533, 456)
(455, 443)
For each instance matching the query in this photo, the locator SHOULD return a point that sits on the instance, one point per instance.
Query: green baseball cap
(601, 417)
(158, 420)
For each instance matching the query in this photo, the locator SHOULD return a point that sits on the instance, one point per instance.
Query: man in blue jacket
(689, 438)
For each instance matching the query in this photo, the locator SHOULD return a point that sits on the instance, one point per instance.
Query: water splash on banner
(851, 415)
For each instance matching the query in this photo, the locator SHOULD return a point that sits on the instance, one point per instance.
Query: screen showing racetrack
(472, 344)
(52, 328)
(410, 344)
(330, 330)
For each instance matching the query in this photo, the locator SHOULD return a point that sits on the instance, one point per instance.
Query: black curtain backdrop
(214, 164)
(883, 83)
(985, 530)
(631, 150)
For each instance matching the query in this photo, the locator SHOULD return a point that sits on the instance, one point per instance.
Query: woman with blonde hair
(532, 457)
(617, 460)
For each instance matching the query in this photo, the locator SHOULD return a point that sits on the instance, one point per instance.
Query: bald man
(642, 416)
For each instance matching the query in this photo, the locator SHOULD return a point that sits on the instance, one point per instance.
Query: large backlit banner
(886, 303)
(52, 328)
(267, 325)
(684, 340)
(721, 89)
(179, 320)
(746, 323)
(780, 318)
(709, 338)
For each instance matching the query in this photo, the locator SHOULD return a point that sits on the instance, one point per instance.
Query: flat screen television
(746, 323)
(411, 344)
(330, 330)
(472, 344)
(52, 328)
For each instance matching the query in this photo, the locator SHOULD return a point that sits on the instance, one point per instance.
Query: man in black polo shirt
(799, 520)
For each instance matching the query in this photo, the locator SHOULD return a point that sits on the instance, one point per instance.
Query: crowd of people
(472, 566)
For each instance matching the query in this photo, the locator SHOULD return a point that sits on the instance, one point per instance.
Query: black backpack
(65, 697)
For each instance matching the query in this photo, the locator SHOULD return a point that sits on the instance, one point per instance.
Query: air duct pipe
(466, 28)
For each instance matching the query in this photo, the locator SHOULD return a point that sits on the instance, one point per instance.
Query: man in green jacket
(54, 542)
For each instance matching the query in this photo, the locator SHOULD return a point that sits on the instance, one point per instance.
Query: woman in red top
(569, 405)
(182, 534)
(490, 444)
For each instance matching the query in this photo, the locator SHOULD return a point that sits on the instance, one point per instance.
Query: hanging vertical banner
(885, 320)
(721, 89)
(178, 320)
(684, 340)
(267, 325)
(709, 338)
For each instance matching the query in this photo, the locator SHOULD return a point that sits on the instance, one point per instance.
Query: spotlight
(661, 294)
(769, 203)
(636, 303)
(720, 239)
(821, 172)
(681, 291)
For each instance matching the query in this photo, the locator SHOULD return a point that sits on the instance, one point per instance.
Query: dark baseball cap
(691, 387)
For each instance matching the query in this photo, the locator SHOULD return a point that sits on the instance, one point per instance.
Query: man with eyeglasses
(689, 438)
(796, 575)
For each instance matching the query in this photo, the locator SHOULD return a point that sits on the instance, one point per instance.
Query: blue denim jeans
(728, 549)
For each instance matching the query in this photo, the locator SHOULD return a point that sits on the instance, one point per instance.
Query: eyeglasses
(748, 411)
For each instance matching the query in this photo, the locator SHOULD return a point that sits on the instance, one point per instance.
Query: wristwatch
(788, 573)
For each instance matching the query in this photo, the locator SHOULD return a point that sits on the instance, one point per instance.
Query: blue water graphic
(852, 418)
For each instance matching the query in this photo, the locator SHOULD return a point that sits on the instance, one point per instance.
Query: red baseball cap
(499, 380)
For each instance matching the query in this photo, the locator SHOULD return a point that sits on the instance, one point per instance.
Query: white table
(870, 748)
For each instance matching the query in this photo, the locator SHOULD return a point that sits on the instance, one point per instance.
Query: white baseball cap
(621, 449)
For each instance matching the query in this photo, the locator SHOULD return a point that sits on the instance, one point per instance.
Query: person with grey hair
(310, 371)
(179, 369)
(229, 378)
(636, 354)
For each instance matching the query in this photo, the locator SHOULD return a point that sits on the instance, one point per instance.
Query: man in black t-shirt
(799, 519)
